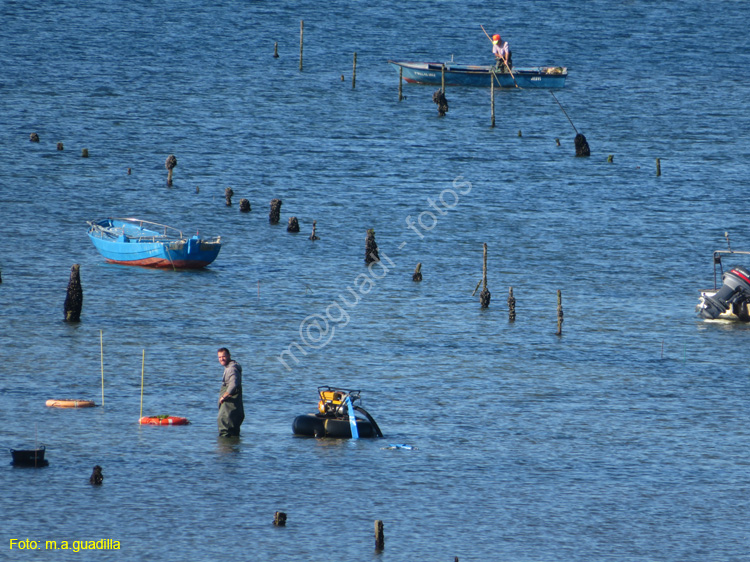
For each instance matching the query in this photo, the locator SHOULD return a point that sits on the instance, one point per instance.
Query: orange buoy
(163, 420)
(70, 403)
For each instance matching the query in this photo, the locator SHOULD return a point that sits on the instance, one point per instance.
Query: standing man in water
(231, 411)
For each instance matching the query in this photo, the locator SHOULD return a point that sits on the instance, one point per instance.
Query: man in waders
(231, 411)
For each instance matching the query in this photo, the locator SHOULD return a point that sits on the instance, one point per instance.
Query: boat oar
(504, 60)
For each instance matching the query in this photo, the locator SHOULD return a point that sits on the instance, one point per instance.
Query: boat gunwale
(153, 236)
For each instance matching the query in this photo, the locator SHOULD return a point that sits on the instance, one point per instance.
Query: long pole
(565, 112)
(101, 351)
(143, 365)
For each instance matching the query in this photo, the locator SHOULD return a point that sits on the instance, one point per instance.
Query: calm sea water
(626, 438)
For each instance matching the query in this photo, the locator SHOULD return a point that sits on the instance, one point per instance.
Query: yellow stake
(143, 364)
(101, 349)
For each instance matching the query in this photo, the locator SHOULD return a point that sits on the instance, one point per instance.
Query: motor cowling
(734, 291)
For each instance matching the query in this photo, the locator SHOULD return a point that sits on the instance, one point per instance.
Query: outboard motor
(735, 290)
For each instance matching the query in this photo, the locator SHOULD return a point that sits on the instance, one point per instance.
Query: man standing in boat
(231, 410)
(502, 53)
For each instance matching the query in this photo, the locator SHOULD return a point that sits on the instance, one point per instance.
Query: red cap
(496, 38)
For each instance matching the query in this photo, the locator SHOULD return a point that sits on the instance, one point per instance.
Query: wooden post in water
(400, 82)
(379, 536)
(417, 276)
(59, 146)
(279, 519)
(611, 158)
(511, 306)
(274, 216)
(101, 355)
(84, 153)
(492, 100)
(354, 71)
(276, 50)
(559, 313)
(74, 298)
(301, 33)
(658, 167)
(228, 192)
(371, 248)
(485, 295)
(170, 165)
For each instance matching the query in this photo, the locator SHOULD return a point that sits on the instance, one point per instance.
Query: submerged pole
(354, 71)
(143, 367)
(170, 165)
(492, 101)
(74, 297)
(485, 295)
(417, 275)
(379, 535)
(101, 353)
(301, 34)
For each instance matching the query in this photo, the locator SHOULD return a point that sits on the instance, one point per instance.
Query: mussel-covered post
(292, 225)
(274, 216)
(314, 236)
(442, 102)
(582, 145)
(417, 276)
(485, 295)
(511, 305)
(279, 519)
(379, 535)
(228, 192)
(559, 313)
(34, 137)
(244, 205)
(371, 248)
(74, 297)
(170, 164)
(60, 146)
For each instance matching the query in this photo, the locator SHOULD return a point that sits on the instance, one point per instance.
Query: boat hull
(457, 74)
(125, 244)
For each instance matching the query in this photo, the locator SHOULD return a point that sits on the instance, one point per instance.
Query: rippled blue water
(624, 439)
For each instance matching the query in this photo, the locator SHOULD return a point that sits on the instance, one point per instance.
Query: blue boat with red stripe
(131, 241)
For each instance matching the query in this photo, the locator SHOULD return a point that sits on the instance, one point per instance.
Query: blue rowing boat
(132, 241)
(458, 74)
